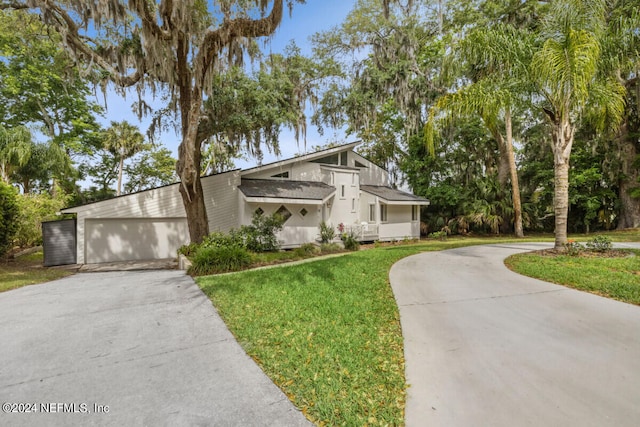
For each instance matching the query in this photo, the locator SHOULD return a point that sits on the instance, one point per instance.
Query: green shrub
(439, 235)
(34, 209)
(219, 260)
(260, 236)
(9, 213)
(350, 241)
(218, 239)
(573, 248)
(329, 248)
(188, 250)
(327, 233)
(600, 244)
(308, 249)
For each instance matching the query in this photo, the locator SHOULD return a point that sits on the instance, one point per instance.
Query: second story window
(342, 191)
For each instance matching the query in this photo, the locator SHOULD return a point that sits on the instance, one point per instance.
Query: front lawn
(617, 278)
(327, 332)
(27, 270)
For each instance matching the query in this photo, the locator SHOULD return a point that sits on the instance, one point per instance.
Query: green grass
(326, 332)
(617, 278)
(27, 270)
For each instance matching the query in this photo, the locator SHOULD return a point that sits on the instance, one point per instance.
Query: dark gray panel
(59, 242)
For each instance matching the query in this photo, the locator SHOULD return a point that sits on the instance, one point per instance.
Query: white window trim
(343, 191)
(372, 208)
(353, 205)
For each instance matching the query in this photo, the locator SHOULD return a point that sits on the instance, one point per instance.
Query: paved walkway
(487, 347)
(148, 347)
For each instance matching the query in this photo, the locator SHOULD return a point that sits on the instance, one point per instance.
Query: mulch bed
(614, 253)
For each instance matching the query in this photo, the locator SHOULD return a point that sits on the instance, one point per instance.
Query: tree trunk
(563, 132)
(120, 167)
(515, 184)
(629, 175)
(188, 169)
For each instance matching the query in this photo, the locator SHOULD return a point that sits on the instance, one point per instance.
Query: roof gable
(304, 158)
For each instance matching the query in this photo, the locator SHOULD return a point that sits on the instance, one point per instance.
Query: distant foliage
(34, 209)
(9, 211)
(214, 260)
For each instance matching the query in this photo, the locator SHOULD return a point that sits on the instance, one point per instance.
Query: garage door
(133, 239)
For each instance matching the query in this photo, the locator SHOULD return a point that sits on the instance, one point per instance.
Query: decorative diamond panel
(284, 212)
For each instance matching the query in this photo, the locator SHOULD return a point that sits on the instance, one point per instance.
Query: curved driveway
(487, 347)
(128, 348)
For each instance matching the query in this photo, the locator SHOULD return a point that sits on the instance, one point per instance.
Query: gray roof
(284, 189)
(391, 194)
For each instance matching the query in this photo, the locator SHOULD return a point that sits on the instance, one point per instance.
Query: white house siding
(372, 174)
(399, 225)
(342, 207)
(126, 239)
(298, 229)
(163, 202)
(221, 200)
(304, 171)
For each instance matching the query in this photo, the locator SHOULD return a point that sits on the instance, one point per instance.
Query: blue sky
(305, 20)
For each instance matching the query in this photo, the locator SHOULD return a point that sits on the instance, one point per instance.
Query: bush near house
(254, 245)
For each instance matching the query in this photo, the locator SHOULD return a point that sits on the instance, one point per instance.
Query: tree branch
(235, 28)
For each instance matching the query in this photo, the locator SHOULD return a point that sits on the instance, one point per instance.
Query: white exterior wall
(163, 202)
(372, 174)
(221, 200)
(344, 209)
(398, 225)
(298, 230)
(298, 171)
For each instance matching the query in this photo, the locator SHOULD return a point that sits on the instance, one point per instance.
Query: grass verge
(27, 270)
(617, 278)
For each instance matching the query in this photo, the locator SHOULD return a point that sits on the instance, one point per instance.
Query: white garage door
(108, 240)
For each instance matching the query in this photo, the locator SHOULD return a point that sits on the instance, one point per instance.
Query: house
(336, 185)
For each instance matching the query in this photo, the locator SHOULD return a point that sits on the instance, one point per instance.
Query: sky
(304, 21)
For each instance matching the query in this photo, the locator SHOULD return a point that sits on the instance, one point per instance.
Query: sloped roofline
(73, 209)
(303, 158)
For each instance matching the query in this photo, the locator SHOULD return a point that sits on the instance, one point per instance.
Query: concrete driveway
(487, 347)
(128, 348)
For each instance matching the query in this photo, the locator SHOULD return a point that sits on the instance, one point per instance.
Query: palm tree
(123, 140)
(15, 150)
(499, 82)
(565, 72)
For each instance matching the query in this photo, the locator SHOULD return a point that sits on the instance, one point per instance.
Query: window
(303, 212)
(353, 205)
(329, 160)
(415, 213)
(372, 213)
(342, 191)
(383, 213)
(353, 179)
(332, 178)
(343, 158)
(359, 165)
(284, 213)
(258, 211)
(281, 175)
